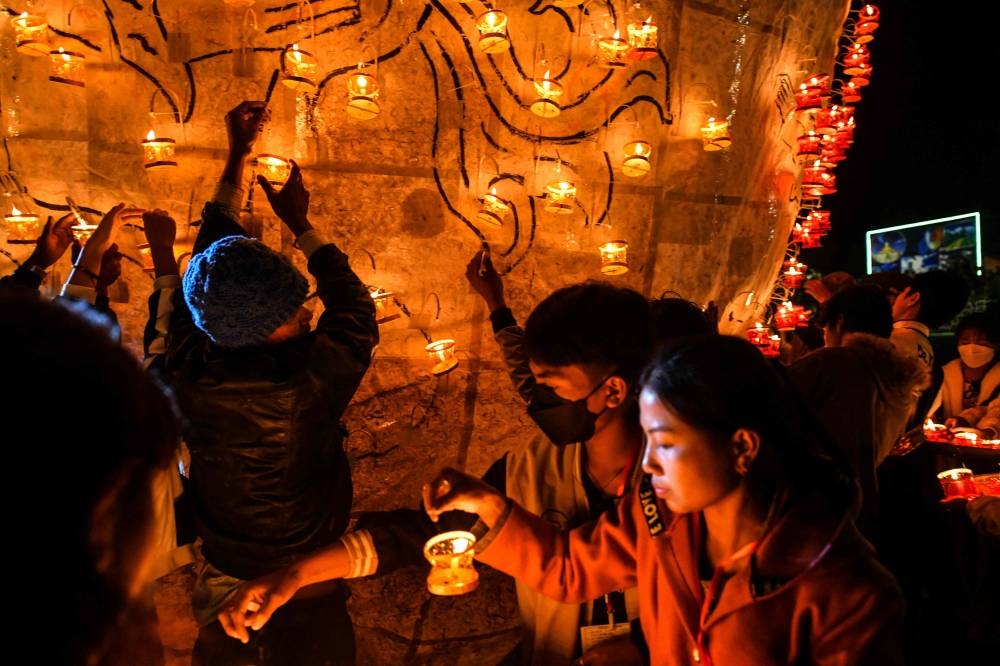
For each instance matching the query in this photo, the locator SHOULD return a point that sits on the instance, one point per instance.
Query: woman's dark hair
(675, 317)
(862, 309)
(91, 430)
(721, 383)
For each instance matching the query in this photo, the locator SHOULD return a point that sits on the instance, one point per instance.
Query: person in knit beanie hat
(240, 291)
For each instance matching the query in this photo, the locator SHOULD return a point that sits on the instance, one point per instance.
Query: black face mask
(563, 421)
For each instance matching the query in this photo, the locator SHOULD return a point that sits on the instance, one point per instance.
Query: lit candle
(794, 274)
(22, 226)
(611, 51)
(443, 353)
(812, 92)
(67, 67)
(642, 39)
(452, 569)
(866, 25)
(158, 151)
(636, 161)
(548, 92)
(492, 28)
(809, 145)
(274, 168)
(494, 209)
(362, 95)
(614, 257)
(560, 195)
(383, 301)
(31, 34)
(858, 57)
(298, 69)
(757, 335)
(786, 317)
(715, 135)
(958, 483)
(817, 180)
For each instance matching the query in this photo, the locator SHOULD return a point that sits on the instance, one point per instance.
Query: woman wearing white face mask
(968, 395)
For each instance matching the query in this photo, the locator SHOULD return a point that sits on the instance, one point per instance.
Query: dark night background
(927, 143)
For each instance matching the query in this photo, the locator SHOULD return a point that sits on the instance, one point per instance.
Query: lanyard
(714, 589)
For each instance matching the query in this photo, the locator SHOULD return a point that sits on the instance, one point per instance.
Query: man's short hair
(861, 309)
(592, 323)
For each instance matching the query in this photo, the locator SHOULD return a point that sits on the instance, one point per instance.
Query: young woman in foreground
(740, 537)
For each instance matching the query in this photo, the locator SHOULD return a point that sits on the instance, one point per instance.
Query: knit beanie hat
(239, 291)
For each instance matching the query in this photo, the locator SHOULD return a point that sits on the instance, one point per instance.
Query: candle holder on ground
(452, 569)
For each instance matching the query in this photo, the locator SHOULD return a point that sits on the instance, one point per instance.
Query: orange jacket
(816, 594)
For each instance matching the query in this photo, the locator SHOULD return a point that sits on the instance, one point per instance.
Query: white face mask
(975, 356)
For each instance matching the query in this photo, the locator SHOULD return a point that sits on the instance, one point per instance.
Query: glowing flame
(151, 136)
(14, 211)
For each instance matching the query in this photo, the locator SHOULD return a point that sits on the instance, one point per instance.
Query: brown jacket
(815, 595)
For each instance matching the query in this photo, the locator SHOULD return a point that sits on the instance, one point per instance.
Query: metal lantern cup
(274, 168)
(67, 67)
(362, 96)
(957, 483)
(494, 209)
(866, 25)
(614, 257)
(642, 40)
(298, 69)
(31, 34)
(158, 151)
(548, 92)
(383, 302)
(22, 226)
(559, 196)
(612, 51)
(452, 569)
(492, 26)
(715, 135)
(636, 162)
(442, 352)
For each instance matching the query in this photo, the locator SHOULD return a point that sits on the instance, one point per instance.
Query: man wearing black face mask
(575, 364)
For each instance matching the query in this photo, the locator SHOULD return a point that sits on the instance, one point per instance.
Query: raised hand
(452, 489)
(55, 239)
(255, 601)
(291, 202)
(484, 279)
(244, 123)
(160, 228)
(111, 269)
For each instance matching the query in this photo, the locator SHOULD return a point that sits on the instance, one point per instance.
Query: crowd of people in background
(708, 504)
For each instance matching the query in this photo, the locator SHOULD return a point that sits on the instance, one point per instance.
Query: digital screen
(948, 243)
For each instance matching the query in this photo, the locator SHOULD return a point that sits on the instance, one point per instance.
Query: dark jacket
(863, 393)
(269, 476)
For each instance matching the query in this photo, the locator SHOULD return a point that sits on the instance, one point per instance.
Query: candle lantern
(442, 352)
(452, 569)
(958, 483)
(715, 135)
(362, 95)
(845, 133)
(494, 209)
(383, 304)
(298, 69)
(636, 162)
(158, 151)
(83, 227)
(772, 347)
(560, 195)
(827, 118)
(806, 237)
(863, 76)
(850, 93)
(274, 168)
(817, 180)
(832, 152)
(866, 24)
(21, 223)
(31, 34)
(857, 58)
(757, 335)
(67, 67)
(612, 51)
(935, 432)
(642, 40)
(548, 92)
(813, 92)
(786, 317)
(492, 27)
(794, 273)
(614, 257)
(818, 220)
(809, 146)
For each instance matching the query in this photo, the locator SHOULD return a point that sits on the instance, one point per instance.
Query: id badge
(598, 633)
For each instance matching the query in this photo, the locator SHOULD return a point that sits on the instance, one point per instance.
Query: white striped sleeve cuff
(361, 552)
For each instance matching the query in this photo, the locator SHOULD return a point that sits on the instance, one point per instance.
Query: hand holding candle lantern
(452, 569)
(274, 168)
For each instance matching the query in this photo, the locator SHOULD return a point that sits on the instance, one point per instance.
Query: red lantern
(866, 25)
(786, 317)
(794, 273)
(817, 180)
(757, 335)
(857, 59)
(850, 93)
(863, 76)
(810, 146)
(812, 92)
